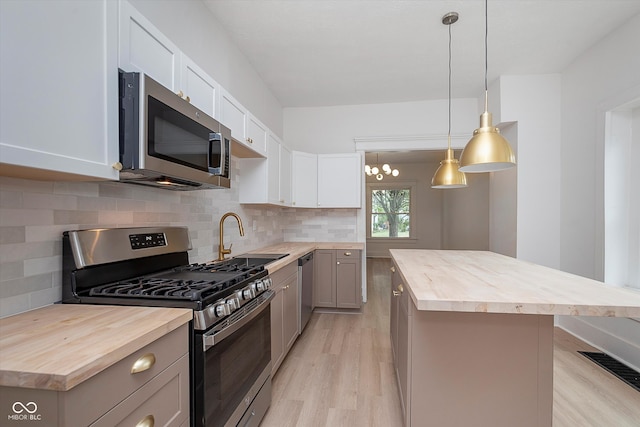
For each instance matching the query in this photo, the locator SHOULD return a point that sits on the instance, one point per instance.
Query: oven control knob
(267, 283)
(248, 293)
(260, 286)
(233, 304)
(222, 310)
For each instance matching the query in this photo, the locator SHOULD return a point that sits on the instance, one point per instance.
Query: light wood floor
(340, 373)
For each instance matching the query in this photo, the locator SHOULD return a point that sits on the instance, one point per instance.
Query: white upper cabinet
(267, 181)
(199, 88)
(339, 180)
(249, 134)
(143, 48)
(285, 176)
(304, 180)
(234, 116)
(256, 134)
(59, 102)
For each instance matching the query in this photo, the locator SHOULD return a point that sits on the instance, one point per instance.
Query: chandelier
(378, 172)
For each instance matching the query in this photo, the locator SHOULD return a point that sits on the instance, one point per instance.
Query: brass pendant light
(487, 150)
(448, 175)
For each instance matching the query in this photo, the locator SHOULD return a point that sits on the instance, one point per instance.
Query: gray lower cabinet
(155, 392)
(284, 313)
(400, 342)
(337, 281)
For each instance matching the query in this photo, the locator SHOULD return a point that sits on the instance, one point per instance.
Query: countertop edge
(67, 380)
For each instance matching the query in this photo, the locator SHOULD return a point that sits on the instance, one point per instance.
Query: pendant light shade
(448, 174)
(487, 150)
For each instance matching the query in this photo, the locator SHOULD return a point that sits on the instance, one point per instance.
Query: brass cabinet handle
(180, 94)
(188, 99)
(393, 269)
(147, 421)
(347, 254)
(143, 363)
(338, 262)
(399, 291)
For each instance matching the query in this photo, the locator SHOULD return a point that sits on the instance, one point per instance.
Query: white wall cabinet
(339, 180)
(304, 180)
(267, 181)
(143, 48)
(200, 88)
(336, 177)
(58, 109)
(249, 134)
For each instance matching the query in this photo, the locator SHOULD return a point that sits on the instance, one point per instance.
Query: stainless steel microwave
(167, 142)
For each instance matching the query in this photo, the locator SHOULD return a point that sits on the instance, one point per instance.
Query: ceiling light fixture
(375, 170)
(448, 175)
(487, 150)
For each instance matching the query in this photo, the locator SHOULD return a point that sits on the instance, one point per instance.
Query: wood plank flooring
(340, 373)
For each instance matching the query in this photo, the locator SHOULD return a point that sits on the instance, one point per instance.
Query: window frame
(396, 185)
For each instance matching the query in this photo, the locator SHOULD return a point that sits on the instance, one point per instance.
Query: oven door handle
(210, 339)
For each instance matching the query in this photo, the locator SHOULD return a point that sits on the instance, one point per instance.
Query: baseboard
(618, 337)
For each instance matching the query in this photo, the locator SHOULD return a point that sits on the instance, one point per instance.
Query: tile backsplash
(33, 215)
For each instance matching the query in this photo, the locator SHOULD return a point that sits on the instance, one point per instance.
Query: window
(390, 211)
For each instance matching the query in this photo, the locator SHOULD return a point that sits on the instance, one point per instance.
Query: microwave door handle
(217, 169)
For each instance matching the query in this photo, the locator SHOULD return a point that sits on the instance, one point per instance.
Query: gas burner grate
(192, 290)
(222, 267)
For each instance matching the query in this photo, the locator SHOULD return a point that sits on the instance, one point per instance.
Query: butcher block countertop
(478, 281)
(298, 249)
(61, 345)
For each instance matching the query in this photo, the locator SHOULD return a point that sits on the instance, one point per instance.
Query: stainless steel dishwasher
(305, 289)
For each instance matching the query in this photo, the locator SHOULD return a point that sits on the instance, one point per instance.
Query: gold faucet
(221, 250)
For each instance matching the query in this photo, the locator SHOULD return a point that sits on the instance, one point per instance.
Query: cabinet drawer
(117, 382)
(164, 399)
(284, 273)
(348, 253)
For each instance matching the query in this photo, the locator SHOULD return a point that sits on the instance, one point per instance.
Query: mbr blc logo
(22, 411)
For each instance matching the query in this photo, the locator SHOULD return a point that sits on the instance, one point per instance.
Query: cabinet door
(256, 135)
(200, 88)
(143, 48)
(277, 339)
(285, 176)
(393, 312)
(348, 284)
(339, 180)
(273, 170)
(290, 312)
(324, 285)
(404, 352)
(234, 116)
(304, 181)
(59, 89)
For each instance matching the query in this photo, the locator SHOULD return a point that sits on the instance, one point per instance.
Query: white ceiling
(340, 52)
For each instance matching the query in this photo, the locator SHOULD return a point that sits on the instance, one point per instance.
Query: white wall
(534, 102)
(197, 32)
(325, 130)
(609, 70)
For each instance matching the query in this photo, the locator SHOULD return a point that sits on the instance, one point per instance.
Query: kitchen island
(472, 334)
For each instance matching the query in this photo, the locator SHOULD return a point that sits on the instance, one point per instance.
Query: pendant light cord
(486, 56)
(449, 131)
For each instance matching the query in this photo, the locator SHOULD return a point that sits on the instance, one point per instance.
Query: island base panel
(480, 369)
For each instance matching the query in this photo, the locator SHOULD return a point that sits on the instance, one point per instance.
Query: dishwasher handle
(305, 259)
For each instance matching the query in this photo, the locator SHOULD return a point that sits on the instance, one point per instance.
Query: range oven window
(228, 370)
(180, 139)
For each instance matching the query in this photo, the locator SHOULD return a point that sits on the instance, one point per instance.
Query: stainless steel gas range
(231, 328)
